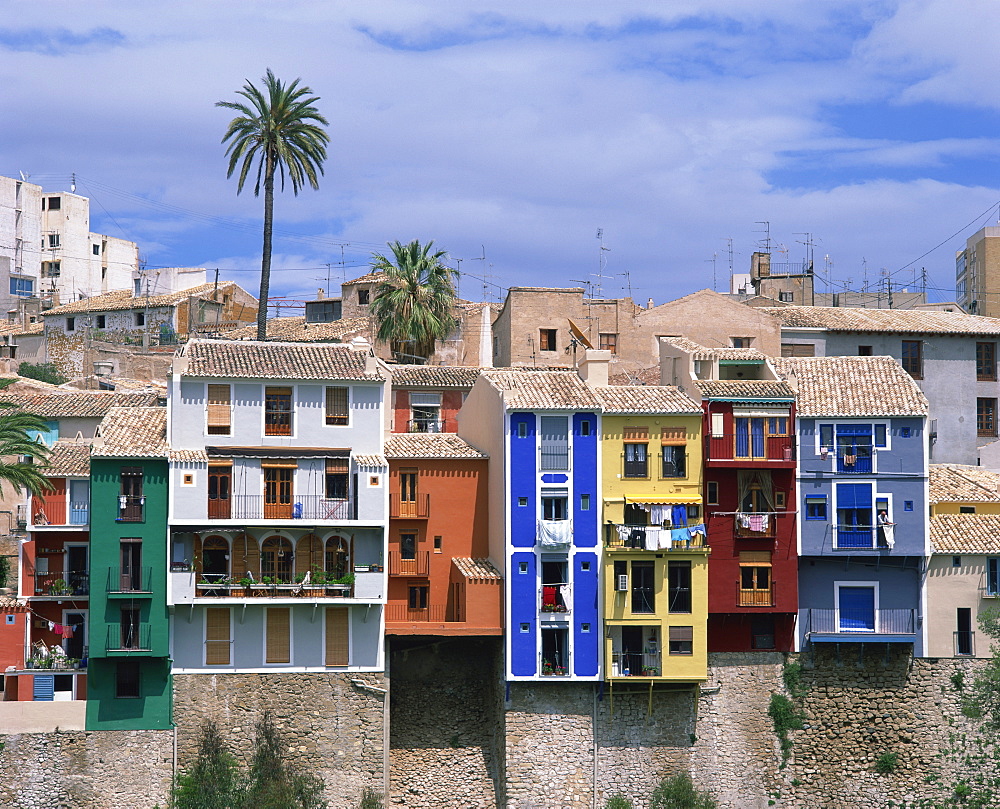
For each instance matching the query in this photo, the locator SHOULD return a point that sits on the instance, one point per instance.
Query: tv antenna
(602, 263)
(767, 234)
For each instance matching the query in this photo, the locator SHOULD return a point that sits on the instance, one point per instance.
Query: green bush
(371, 799)
(4, 570)
(43, 372)
(679, 792)
(618, 801)
(213, 781)
(792, 675)
(887, 763)
(785, 718)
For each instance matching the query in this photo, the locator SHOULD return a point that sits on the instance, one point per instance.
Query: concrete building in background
(977, 273)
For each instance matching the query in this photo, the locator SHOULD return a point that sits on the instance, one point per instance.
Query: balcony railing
(225, 587)
(965, 643)
(648, 538)
(417, 566)
(554, 459)
(129, 638)
(858, 462)
(403, 613)
(556, 666)
(430, 426)
(864, 537)
(61, 583)
(53, 659)
(755, 597)
(134, 580)
(131, 508)
(756, 525)
(55, 512)
(636, 664)
(557, 599)
(731, 447)
(417, 508)
(301, 507)
(861, 622)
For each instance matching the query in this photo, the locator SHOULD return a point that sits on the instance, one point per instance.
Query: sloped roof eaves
(542, 390)
(120, 299)
(68, 459)
(749, 389)
(476, 568)
(433, 376)
(854, 319)
(133, 432)
(78, 404)
(955, 483)
(965, 533)
(646, 399)
(429, 446)
(297, 330)
(251, 360)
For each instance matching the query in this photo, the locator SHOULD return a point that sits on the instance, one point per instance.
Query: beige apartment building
(977, 273)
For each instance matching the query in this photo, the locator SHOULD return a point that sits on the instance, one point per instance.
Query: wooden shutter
(197, 553)
(336, 405)
(218, 408)
(635, 433)
(337, 637)
(755, 557)
(217, 638)
(681, 633)
(279, 643)
(338, 465)
(673, 436)
(308, 554)
(246, 556)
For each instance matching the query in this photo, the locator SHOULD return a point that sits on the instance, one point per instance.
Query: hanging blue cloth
(679, 516)
(679, 535)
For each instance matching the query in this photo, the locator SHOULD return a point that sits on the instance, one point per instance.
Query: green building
(129, 683)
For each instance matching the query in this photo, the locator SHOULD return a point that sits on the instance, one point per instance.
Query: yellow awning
(665, 499)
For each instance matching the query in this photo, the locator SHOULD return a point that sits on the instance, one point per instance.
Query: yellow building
(655, 562)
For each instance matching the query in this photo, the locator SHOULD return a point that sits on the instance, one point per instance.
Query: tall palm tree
(15, 441)
(278, 128)
(414, 305)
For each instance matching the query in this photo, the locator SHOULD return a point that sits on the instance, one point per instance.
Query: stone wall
(107, 769)
(333, 723)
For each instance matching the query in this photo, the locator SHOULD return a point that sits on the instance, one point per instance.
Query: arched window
(338, 557)
(276, 559)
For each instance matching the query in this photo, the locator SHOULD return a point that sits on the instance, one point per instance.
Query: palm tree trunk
(265, 259)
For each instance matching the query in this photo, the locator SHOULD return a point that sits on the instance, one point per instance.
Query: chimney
(361, 344)
(649, 304)
(593, 368)
(320, 294)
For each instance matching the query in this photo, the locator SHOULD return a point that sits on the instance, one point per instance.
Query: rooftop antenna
(767, 234)
(729, 241)
(601, 264)
(715, 287)
(809, 244)
(827, 268)
(24, 176)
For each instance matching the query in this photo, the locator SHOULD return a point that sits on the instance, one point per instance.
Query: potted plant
(59, 588)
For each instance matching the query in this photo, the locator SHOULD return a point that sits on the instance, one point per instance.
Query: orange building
(440, 579)
(427, 398)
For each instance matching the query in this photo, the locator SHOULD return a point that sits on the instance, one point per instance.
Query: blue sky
(510, 132)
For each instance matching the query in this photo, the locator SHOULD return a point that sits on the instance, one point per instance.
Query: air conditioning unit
(622, 586)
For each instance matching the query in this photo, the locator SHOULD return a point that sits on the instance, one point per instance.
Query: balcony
(555, 666)
(557, 602)
(403, 613)
(649, 538)
(636, 664)
(62, 583)
(859, 537)
(415, 509)
(130, 582)
(861, 625)
(131, 508)
(301, 507)
(858, 462)
(555, 533)
(755, 597)
(56, 512)
(431, 425)
(129, 638)
(554, 459)
(218, 586)
(756, 525)
(419, 565)
(772, 449)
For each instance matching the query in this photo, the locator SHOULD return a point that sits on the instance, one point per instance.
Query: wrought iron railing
(129, 638)
(861, 621)
(62, 583)
(636, 664)
(740, 447)
(300, 507)
(130, 580)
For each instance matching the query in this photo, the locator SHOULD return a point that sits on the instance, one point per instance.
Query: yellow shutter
(635, 433)
(279, 644)
(217, 639)
(337, 646)
(218, 406)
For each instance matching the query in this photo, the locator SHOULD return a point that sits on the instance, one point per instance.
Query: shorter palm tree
(414, 305)
(15, 441)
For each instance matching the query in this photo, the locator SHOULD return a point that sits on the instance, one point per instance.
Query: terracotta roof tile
(542, 390)
(433, 376)
(188, 456)
(956, 483)
(371, 461)
(124, 299)
(917, 321)
(133, 432)
(644, 376)
(252, 360)
(965, 533)
(296, 330)
(476, 568)
(701, 352)
(645, 399)
(375, 276)
(745, 389)
(851, 386)
(11, 604)
(430, 445)
(68, 458)
(78, 404)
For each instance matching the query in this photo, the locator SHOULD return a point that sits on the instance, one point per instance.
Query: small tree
(679, 792)
(43, 372)
(213, 780)
(618, 801)
(274, 783)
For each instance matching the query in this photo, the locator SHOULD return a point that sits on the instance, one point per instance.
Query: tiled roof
(852, 386)
(133, 432)
(745, 389)
(125, 299)
(965, 533)
(367, 278)
(68, 458)
(433, 376)
(542, 390)
(919, 321)
(956, 483)
(644, 376)
(296, 330)
(700, 352)
(15, 329)
(274, 361)
(430, 445)
(645, 399)
(78, 404)
(188, 456)
(476, 568)
(371, 461)
(11, 604)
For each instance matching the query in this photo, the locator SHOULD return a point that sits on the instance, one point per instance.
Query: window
(905, 432)
(425, 412)
(277, 411)
(798, 350)
(779, 500)
(102, 321)
(816, 507)
(585, 567)
(680, 640)
(961, 509)
(127, 684)
(546, 339)
(219, 410)
(364, 297)
(786, 297)
(585, 427)
(22, 287)
(963, 631)
(522, 430)
(408, 546)
(437, 544)
(277, 633)
(908, 506)
(522, 567)
(554, 508)
(408, 486)
(525, 628)
(864, 351)
(337, 636)
(337, 470)
(51, 269)
(993, 576)
(674, 462)
(130, 498)
(986, 362)
(53, 240)
(854, 515)
(755, 579)
(636, 461)
(140, 319)
(956, 561)
(336, 406)
(70, 324)
(913, 359)
(718, 425)
(762, 632)
(96, 249)
(608, 342)
(220, 487)
(55, 203)
(276, 559)
(986, 417)
(522, 502)
(584, 502)
(218, 640)
(741, 342)
(678, 586)
(712, 493)
(643, 588)
(880, 436)
(554, 444)
(418, 597)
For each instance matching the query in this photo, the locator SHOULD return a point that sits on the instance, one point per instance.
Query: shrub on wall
(679, 792)
(42, 371)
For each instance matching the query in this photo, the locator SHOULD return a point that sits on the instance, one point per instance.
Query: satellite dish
(577, 332)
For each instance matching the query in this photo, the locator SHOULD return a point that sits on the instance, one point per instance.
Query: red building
(427, 398)
(440, 579)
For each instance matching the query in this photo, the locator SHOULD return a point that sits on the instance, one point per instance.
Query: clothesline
(733, 513)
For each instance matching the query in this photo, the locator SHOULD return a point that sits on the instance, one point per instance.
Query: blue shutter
(43, 687)
(857, 609)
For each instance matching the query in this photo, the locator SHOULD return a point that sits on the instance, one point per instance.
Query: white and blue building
(542, 431)
(863, 502)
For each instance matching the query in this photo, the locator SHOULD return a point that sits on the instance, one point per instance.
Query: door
(79, 502)
(220, 487)
(277, 493)
(630, 662)
(77, 573)
(857, 609)
(131, 568)
(75, 644)
(408, 494)
(854, 448)
(963, 634)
